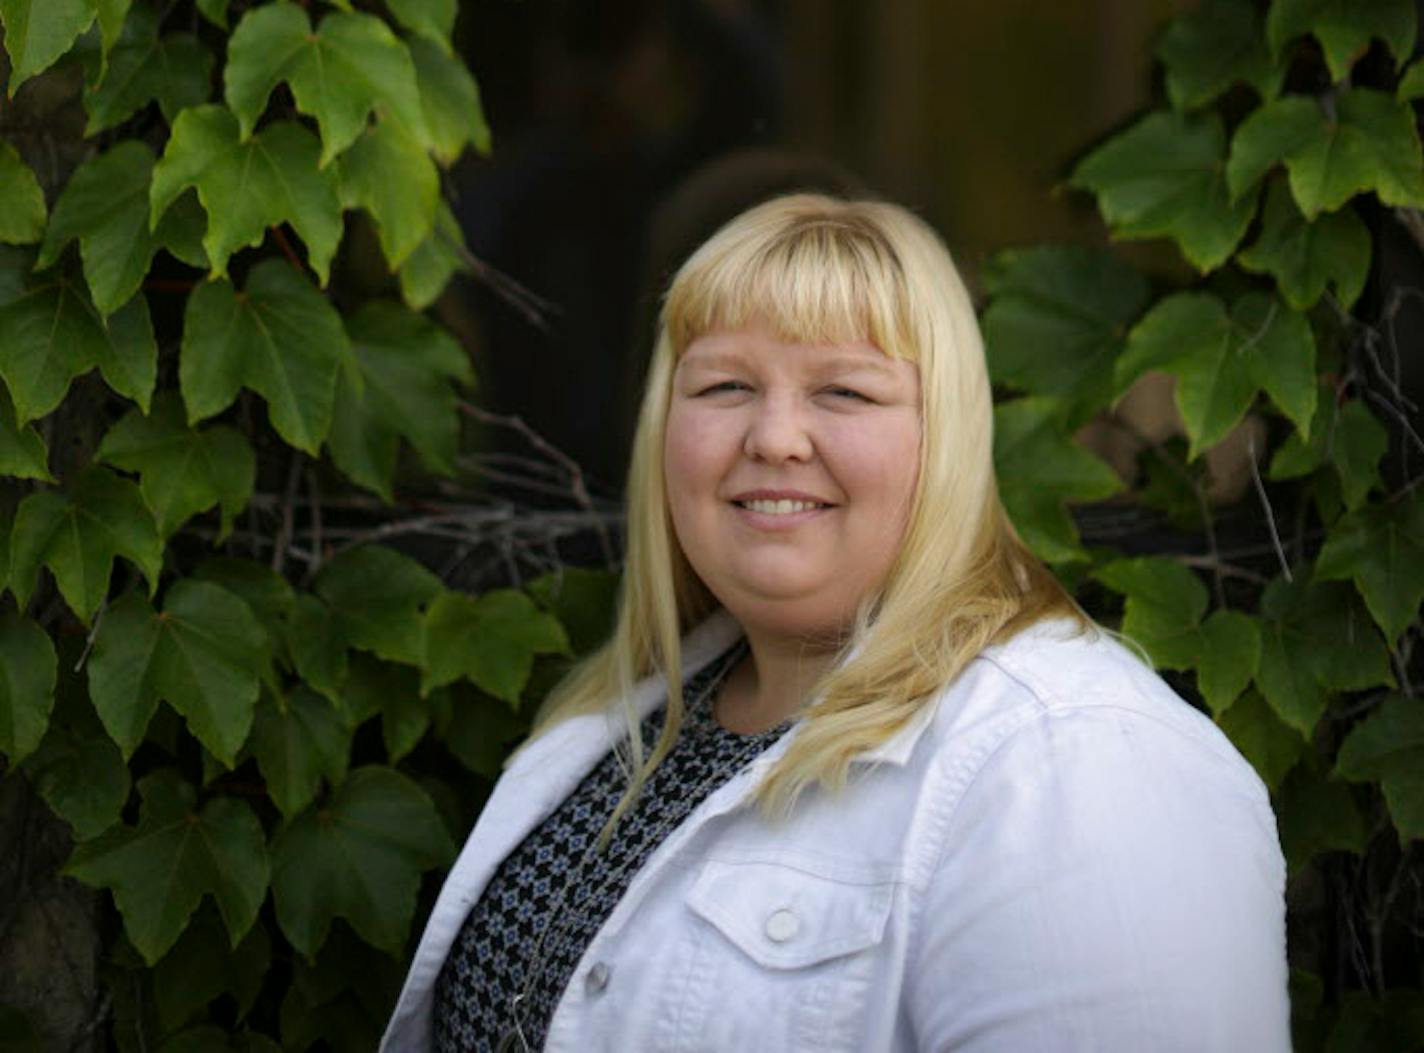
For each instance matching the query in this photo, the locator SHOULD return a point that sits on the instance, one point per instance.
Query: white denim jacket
(1059, 854)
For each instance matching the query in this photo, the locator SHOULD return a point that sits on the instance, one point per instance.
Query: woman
(853, 772)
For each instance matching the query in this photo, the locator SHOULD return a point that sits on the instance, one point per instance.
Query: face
(790, 471)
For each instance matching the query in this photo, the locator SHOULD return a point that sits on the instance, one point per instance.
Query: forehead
(754, 343)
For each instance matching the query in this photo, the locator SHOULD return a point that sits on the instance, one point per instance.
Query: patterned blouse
(551, 895)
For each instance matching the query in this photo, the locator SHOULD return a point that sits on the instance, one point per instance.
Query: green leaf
(203, 656)
(317, 646)
(22, 451)
(1229, 658)
(202, 966)
(343, 998)
(1348, 436)
(352, 66)
(1411, 85)
(160, 869)
(1381, 548)
(175, 70)
(298, 740)
(246, 187)
(1370, 143)
(1317, 815)
(358, 857)
(1209, 49)
(112, 17)
(375, 595)
(492, 640)
(215, 11)
(53, 334)
(434, 262)
(27, 674)
(478, 730)
(389, 174)
(1272, 748)
(37, 32)
(1163, 177)
(1041, 469)
(182, 471)
(22, 204)
(1164, 605)
(280, 337)
(1316, 639)
(15, 265)
(267, 594)
(584, 601)
(450, 100)
(77, 769)
(433, 19)
(1307, 257)
(105, 206)
(397, 384)
(393, 691)
(78, 534)
(1343, 27)
(1221, 361)
(1388, 747)
(1078, 301)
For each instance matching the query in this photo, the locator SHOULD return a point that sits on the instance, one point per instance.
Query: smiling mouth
(782, 507)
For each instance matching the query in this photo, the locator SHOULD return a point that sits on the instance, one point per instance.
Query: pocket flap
(783, 917)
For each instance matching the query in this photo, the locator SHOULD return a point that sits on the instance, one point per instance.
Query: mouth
(780, 506)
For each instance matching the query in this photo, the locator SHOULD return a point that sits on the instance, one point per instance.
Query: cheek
(689, 458)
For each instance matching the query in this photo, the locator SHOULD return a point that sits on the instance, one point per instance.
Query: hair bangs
(817, 279)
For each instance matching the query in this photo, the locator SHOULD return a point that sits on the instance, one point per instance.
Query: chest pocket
(782, 917)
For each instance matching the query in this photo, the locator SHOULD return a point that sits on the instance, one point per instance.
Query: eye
(848, 393)
(723, 385)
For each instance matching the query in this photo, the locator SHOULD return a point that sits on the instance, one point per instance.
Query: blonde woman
(853, 772)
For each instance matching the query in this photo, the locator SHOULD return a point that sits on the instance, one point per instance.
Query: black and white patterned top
(500, 940)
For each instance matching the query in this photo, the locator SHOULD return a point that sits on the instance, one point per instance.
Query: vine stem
(1266, 507)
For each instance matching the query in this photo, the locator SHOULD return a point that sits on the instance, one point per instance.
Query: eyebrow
(830, 361)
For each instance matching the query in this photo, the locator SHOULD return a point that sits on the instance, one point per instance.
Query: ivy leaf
(1078, 301)
(78, 534)
(27, 675)
(215, 11)
(1209, 49)
(22, 204)
(1040, 470)
(433, 19)
(375, 595)
(397, 384)
(1163, 177)
(1272, 748)
(393, 691)
(175, 70)
(1388, 747)
(1305, 257)
(105, 206)
(479, 730)
(1229, 658)
(1371, 143)
(359, 857)
(1343, 27)
(1348, 436)
(280, 337)
(450, 100)
(77, 768)
(1222, 360)
(37, 32)
(298, 740)
(1380, 548)
(22, 451)
(53, 334)
(202, 966)
(434, 262)
(161, 869)
(387, 172)
(203, 656)
(584, 601)
(317, 646)
(1317, 815)
(267, 594)
(182, 471)
(343, 998)
(1411, 85)
(246, 187)
(1164, 605)
(492, 640)
(1315, 639)
(351, 66)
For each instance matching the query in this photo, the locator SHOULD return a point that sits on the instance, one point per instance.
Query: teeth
(780, 508)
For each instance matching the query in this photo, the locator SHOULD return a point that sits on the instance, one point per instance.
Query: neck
(772, 682)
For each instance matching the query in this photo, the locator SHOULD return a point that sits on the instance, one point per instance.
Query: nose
(778, 431)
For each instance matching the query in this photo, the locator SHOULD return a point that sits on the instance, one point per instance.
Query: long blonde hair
(818, 270)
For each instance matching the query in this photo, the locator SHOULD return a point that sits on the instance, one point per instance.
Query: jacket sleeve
(1110, 881)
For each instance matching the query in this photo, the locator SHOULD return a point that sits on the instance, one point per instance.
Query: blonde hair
(814, 269)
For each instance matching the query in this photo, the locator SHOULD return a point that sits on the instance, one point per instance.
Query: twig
(284, 533)
(531, 306)
(93, 633)
(314, 517)
(1266, 506)
(286, 246)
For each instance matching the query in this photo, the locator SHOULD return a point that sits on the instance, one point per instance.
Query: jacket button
(782, 926)
(597, 978)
